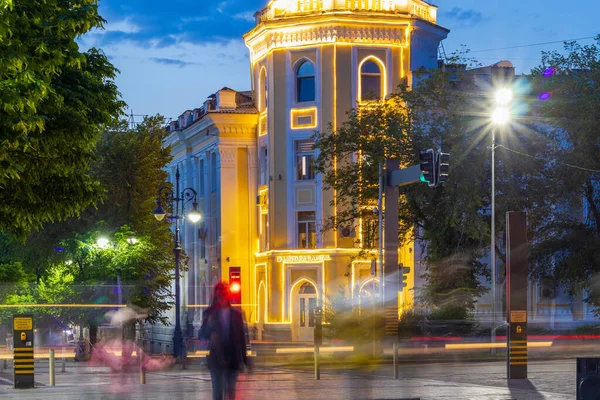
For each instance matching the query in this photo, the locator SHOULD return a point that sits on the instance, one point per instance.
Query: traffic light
(442, 167)
(427, 159)
(402, 276)
(235, 285)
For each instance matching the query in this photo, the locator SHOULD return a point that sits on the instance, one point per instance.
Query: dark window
(202, 181)
(213, 171)
(370, 81)
(305, 160)
(307, 230)
(305, 82)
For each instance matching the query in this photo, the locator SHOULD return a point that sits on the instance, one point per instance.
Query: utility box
(23, 351)
(588, 378)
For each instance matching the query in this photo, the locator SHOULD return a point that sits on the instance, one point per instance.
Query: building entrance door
(307, 302)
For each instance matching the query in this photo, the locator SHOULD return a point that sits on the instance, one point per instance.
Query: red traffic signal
(235, 285)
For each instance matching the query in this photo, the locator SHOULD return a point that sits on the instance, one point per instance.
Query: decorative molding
(237, 131)
(227, 157)
(369, 34)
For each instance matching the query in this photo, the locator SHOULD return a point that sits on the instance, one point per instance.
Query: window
(202, 178)
(305, 82)
(264, 85)
(213, 171)
(305, 162)
(307, 230)
(264, 166)
(264, 232)
(370, 81)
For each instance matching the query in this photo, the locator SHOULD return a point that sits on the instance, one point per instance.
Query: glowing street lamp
(500, 116)
(178, 200)
(102, 242)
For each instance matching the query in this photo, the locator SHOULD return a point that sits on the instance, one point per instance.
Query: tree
(54, 102)
(448, 218)
(63, 259)
(566, 240)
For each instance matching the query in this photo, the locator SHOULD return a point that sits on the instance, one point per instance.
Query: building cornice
(320, 30)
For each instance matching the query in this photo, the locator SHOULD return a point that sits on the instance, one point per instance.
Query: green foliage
(54, 101)
(354, 325)
(64, 260)
(567, 245)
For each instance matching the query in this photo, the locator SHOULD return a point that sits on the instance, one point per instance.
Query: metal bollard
(395, 360)
(184, 355)
(64, 361)
(51, 368)
(142, 370)
(317, 367)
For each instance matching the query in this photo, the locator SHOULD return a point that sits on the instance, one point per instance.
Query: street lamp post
(500, 116)
(178, 200)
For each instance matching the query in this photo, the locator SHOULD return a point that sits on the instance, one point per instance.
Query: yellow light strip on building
(303, 112)
(319, 45)
(334, 125)
(329, 251)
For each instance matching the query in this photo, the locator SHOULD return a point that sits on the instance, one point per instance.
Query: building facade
(250, 156)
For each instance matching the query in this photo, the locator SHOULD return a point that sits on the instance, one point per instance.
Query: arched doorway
(303, 312)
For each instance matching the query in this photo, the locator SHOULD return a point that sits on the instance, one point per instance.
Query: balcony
(278, 9)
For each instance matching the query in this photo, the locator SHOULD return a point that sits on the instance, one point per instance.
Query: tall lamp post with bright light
(500, 116)
(178, 200)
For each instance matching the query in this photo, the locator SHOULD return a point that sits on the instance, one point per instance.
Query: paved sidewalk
(444, 381)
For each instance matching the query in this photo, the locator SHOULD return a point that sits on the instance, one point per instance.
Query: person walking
(223, 327)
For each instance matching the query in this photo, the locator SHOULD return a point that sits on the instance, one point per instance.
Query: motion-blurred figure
(223, 327)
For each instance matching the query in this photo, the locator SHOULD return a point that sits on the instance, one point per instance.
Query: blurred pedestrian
(223, 326)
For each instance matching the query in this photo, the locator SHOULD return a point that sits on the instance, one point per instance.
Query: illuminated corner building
(311, 62)
(214, 147)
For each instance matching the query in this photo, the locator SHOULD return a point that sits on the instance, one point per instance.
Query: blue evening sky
(173, 54)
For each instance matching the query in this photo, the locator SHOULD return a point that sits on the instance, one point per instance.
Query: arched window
(263, 88)
(370, 81)
(305, 82)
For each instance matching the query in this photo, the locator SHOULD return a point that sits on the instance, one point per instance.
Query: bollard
(142, 370)
(64, 361)
(184, 359)
(395, 360)
(51, 369)
(317, 367)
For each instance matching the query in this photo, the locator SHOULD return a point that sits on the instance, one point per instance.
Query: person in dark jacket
(223, 326)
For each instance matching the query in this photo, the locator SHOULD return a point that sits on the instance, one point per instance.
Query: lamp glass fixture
(159, 213)
(194, 215)
(102, 242)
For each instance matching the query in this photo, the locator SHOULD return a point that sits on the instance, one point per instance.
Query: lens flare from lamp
(500, 116)
(545, 96)
(235, 287)
(504, 97)
(548, 72)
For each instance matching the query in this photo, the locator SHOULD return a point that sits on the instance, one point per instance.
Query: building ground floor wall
(290, 285)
